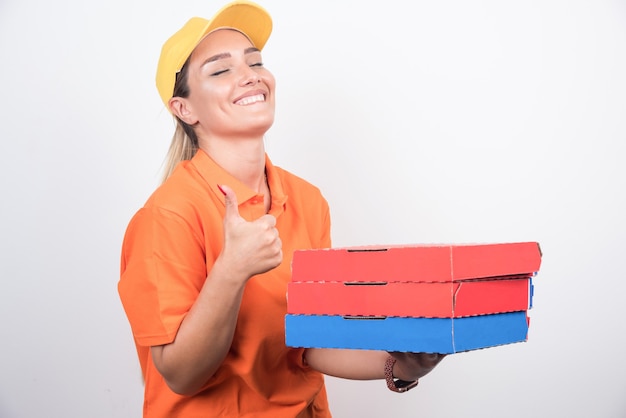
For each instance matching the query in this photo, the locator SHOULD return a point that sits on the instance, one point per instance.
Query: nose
(250, 77)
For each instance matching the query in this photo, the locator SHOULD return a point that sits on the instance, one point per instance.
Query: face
(231, 93)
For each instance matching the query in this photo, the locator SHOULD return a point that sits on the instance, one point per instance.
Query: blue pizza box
(406, 334)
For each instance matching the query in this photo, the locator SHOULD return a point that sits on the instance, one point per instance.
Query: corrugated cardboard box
(427, 335)
(428, 298)
(412, 299)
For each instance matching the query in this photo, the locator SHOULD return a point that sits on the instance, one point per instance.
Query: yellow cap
(245, 16)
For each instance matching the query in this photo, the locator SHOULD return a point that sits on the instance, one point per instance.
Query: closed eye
(219, 72)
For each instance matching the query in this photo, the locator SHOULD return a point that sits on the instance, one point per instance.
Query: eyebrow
(223, 55)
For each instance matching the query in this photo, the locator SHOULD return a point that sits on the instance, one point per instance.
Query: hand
(413, 366)
(249, 247)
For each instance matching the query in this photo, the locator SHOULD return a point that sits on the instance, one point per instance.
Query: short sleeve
(163, 268)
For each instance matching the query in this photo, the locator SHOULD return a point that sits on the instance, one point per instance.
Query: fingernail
(221, 190)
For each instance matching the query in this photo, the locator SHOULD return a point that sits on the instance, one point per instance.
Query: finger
(230, 201)
(426, 360)
(269, 220)
(427, 357)
(430, 360)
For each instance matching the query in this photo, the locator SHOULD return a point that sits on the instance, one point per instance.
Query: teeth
(250, 100)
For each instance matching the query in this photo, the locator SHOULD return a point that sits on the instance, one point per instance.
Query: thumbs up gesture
(249, 247)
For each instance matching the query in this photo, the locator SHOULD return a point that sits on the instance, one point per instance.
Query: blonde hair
(184, 142)
(181, 148)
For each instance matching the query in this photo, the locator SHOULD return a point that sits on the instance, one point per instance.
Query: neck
(244, 159)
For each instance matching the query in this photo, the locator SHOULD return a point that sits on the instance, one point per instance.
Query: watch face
(403, 385)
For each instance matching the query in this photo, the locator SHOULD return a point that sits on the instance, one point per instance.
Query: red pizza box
(416, 263)
(410, 299)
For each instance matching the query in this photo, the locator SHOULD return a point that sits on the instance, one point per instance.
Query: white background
(442, 122)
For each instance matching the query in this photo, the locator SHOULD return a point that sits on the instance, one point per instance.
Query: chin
(260, 124)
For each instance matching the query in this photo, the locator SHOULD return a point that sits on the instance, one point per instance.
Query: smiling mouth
(250, 100)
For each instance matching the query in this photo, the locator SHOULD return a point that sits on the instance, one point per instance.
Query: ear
(180, 108)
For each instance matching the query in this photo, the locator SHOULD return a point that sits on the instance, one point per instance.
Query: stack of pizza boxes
(412, 298)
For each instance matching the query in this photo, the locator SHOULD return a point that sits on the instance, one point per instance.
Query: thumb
(230, 200)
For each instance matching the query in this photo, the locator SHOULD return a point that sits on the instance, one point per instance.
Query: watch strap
(396, 385)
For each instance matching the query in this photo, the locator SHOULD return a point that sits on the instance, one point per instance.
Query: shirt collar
(279, 198)
(213, 175)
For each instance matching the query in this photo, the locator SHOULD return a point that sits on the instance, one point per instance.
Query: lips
(248, 100)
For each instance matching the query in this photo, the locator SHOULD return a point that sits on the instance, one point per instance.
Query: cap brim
(249, 18)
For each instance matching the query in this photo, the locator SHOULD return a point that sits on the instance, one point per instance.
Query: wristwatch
(397, 385)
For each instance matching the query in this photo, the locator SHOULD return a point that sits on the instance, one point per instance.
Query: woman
(206, 261)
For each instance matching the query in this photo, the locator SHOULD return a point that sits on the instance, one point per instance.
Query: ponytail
(182, 148)
(184, 142)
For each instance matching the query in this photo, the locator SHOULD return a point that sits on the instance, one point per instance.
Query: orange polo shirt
(168, 250)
